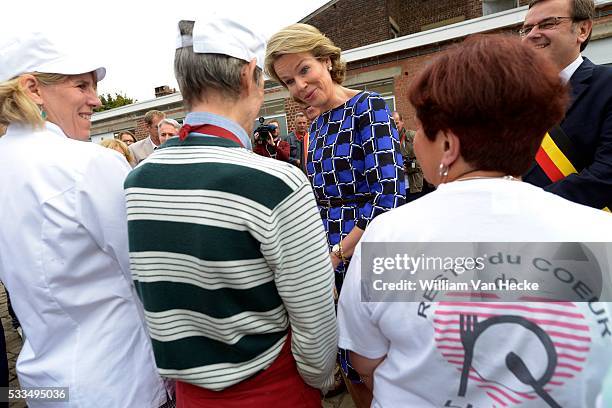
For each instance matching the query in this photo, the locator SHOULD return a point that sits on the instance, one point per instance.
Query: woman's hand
(335, 260)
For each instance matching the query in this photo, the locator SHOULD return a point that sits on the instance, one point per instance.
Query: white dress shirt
(568, 71)
(65, 261)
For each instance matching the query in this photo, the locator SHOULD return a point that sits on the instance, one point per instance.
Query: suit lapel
(580, 82)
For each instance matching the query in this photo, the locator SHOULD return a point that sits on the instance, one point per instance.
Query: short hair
(198, 74)
(580, 10)
(169, 121)
(112, 143)
(398, 114)
(151, 115)
(17, 107)
(298, 38)
(126, 132)
(497, 95)
(300, 114)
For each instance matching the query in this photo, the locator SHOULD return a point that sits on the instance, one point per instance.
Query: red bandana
(208, 130)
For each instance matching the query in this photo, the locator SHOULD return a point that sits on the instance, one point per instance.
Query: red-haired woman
(482, 108)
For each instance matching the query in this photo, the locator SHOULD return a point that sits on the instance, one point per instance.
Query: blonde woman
(120, 147)
(63, 239)
(354, 130)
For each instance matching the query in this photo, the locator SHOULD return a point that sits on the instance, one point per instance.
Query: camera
(263, 133)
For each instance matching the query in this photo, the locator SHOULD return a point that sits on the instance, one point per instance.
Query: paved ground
(340, 401)
(13, 346)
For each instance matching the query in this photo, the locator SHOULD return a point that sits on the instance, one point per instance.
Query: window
(274, 109)
(390, 100)
(443, 23)
(496, 6)
(394, 28)
(384, 88)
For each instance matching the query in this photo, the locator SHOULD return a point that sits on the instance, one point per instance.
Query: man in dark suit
(575, 159)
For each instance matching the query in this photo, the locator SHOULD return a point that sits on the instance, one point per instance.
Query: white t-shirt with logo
(558, 352)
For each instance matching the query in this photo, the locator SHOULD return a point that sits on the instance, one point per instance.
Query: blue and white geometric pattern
(354, 150)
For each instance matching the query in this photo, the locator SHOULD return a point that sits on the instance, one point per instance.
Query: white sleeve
(299, 257)
(100, 205)
(357, 330)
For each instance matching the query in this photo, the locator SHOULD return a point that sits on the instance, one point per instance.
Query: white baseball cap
(214, 34)
(36, 52)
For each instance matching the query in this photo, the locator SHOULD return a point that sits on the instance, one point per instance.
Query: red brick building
(385, 43)
(364, 22)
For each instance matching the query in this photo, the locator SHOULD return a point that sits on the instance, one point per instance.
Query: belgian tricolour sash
(558, 157)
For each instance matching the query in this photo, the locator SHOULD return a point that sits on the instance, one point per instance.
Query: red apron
(280, 385)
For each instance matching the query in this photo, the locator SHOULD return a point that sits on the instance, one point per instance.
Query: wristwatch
(337, 250)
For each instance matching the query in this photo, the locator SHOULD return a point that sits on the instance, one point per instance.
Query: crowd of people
(213, 264)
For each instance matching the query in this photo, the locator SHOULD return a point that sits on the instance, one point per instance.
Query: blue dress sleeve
(383, 163)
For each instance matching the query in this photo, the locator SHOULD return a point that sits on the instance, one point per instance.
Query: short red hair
(497, 95)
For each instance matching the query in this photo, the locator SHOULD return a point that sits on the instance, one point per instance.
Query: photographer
(268, 142)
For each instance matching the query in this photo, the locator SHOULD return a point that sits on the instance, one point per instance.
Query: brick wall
(353, 23)
(339, 20)
(420, 13)
(291, 108)
(141, 131)
(473, 9)
(398, 12)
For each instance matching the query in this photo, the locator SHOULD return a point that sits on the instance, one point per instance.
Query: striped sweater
(228, 253)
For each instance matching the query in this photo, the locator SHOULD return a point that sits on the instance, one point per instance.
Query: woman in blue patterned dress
(353, 161)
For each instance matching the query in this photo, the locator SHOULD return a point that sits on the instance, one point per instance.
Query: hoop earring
(443, 172)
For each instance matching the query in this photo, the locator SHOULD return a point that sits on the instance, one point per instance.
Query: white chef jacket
(65, 261)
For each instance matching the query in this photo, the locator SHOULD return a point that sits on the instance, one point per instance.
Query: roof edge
(318, 11)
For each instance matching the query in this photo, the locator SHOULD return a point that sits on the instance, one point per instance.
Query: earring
(329, 68)
(43, 114)
(443, 172)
